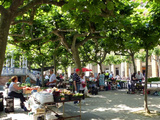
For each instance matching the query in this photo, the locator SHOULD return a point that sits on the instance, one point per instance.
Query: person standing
(82, 85)
(97, 82)
(52, 79)
(65, 80)
(111, 75)
(28, 80)
(133, 82)
(92, 80)
(37, 79)
(107, 75)
(101, 81)
(76, 82)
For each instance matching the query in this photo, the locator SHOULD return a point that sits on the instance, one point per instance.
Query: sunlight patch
(100, 109)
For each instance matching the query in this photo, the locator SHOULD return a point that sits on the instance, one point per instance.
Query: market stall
(47, 98)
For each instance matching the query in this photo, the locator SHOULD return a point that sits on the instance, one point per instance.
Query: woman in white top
(92, 80)
(13, 91)
(82, 84)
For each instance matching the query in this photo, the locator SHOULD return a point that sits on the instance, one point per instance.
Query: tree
(81, 20)
(112, 59)
(156, 52)
(12, 9)
(148, 36)
(95, 51)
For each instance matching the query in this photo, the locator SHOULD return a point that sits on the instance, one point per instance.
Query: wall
(4, 79)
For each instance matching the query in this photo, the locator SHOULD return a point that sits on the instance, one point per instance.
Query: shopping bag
(86, 90)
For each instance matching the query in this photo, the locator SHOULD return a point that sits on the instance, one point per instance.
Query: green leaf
(110, 5)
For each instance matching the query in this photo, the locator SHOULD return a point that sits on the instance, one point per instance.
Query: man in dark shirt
(76, 82)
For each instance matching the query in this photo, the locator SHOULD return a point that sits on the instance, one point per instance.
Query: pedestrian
(13, 91)
(107, 75)
(38, 79)
(82, 85)
(65, 80)
(110, 75)
(52, 80)
(76, 82)
(97, 82)
(28, 80)
(101, 81)
(92, 80)
(133, 82)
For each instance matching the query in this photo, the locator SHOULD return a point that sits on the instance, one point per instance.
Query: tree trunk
(145, 86)
(100, 67)
(133, 61)
(159, 69)
(42, 69)
(75, 54)
(158, 62)
(55, 67)
(110, 67)
(4, 30)
(65, 69)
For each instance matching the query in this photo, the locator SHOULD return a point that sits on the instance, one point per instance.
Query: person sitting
(139, 77)
(13, 92)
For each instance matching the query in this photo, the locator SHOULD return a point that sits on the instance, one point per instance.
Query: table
(47, 105)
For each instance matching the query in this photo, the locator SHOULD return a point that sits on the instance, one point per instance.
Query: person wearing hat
(76, 82)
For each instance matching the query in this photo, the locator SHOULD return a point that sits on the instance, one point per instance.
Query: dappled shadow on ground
(107, 105)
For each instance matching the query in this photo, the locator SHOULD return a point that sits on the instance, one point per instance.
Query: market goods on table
(28, 90)
(43, 97)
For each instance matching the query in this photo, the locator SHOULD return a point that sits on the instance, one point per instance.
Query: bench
(154, 82)
(153, 90)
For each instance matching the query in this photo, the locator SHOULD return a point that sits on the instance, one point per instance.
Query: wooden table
(47, 105)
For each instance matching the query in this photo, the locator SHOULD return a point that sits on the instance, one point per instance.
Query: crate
(34, 116)
(27, 91)
(40, 110)
(9, 104)
(1, 102)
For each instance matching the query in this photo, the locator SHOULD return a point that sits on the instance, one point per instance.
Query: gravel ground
(107, 105)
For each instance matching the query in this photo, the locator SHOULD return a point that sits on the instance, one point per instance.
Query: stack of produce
(65, 95)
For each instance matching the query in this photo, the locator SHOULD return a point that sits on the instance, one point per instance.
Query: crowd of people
(77, 80)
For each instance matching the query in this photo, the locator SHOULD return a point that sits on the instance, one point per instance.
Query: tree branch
(104, 56)
(87, 38)
(76, 36)
(38, 2)
(32, 39)
(62, 39)
(17, 35)
(14, 6)
(22, 21)
(2, 9)
(30, 21)
(121, 54)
